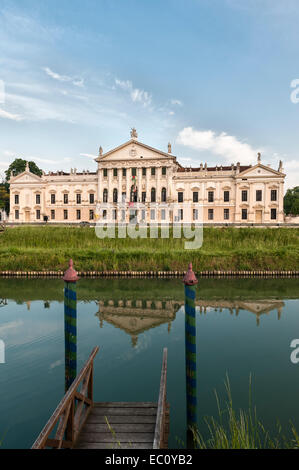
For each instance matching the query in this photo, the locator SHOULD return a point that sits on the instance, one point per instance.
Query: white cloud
(176, 102)
(222, 144)
(88, 155)
(11, 116)
(64, 78)
(137, 95)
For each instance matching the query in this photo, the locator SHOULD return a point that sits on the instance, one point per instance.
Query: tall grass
(48, 247)
(241, 429)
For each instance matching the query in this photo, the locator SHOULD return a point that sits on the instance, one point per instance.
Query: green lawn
(49, 248)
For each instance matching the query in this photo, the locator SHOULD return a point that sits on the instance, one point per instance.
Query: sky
(219, 79)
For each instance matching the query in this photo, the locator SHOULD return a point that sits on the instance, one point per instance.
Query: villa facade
(136, 180)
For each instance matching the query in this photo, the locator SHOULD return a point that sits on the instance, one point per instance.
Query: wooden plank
(99, 419)
(124, 411)
(161, 404)
(40, 441)
(119, 437)
(111, 445)
(126, 404)
(140, 427)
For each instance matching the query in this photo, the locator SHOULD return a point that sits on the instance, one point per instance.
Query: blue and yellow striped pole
(190, 282)
(70, 325)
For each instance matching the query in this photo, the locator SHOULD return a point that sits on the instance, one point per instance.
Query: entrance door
(258, 217)
(27, 216)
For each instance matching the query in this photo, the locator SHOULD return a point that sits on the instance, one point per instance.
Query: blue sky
(213, 77)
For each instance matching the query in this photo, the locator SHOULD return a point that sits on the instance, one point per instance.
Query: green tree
(4, 198)
(18, 166)
(291, 201)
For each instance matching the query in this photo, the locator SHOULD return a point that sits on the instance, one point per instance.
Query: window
(105, 172)
(123, 215)
(195, 214)
(124, 172)
(115, 172)
(105, 195)
(65, 214)
(153, 214)
(38, 214)
(115, 195)
(164, 170)
(91, 198)
(91, 215)
(123, 197)
(211, 214)
(134, 171)
(163, 195)
(114, 214)
(17, 215)
(244, 196)
(78, 214)
(17, 199)
(259, 195)
(274, 195)
(226, 196)
(153, 171)
(143, 196)
(78, 198)
(53, 198)
(180, 197)
(211, 196)
(163, 214)
(244, 214)
(37, 199)
(66, 198)
(143, 215)
(52, 215)
(273, 214)
(134, 194)
(180, 214)
(195, 196)
(153, 195)
(143, 171)
(104, 214)
(226, 214)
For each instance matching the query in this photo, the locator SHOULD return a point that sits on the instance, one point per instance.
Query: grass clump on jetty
(226, 248)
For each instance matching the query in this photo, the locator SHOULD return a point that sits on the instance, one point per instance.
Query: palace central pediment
(134, 151)
(260, 171)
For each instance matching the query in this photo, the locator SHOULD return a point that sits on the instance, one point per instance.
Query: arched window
(115, 195)
(163, 195)
(153, 195)
(134, 194)
(105, 195)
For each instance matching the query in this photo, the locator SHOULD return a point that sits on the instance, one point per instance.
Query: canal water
(244, 327)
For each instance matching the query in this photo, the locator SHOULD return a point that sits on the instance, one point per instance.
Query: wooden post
(70, 325)
(190, 282)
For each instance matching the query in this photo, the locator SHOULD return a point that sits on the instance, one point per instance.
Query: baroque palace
(136, 180)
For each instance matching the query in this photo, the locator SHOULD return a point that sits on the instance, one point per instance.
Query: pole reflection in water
(70, 325)
(190, 282)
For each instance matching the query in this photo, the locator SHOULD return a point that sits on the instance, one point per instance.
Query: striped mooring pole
(190, 282)
(70, 324)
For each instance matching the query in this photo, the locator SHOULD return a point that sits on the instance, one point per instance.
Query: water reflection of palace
(137, 316)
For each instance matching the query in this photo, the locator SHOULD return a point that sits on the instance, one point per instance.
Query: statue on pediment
(134, 134)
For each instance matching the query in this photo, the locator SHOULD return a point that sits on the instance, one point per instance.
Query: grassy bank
(49, 248)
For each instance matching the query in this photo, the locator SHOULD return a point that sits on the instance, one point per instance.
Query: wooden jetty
(80, 423)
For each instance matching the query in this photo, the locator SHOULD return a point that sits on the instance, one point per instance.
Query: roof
(214, 168)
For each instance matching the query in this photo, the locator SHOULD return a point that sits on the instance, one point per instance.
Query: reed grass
(241, 429)
(49, 248)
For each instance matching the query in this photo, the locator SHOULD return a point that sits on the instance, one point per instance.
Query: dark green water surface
(243, 327)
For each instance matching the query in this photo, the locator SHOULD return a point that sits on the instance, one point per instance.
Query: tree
(18, 166)
(4, 198)
(291, 201)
